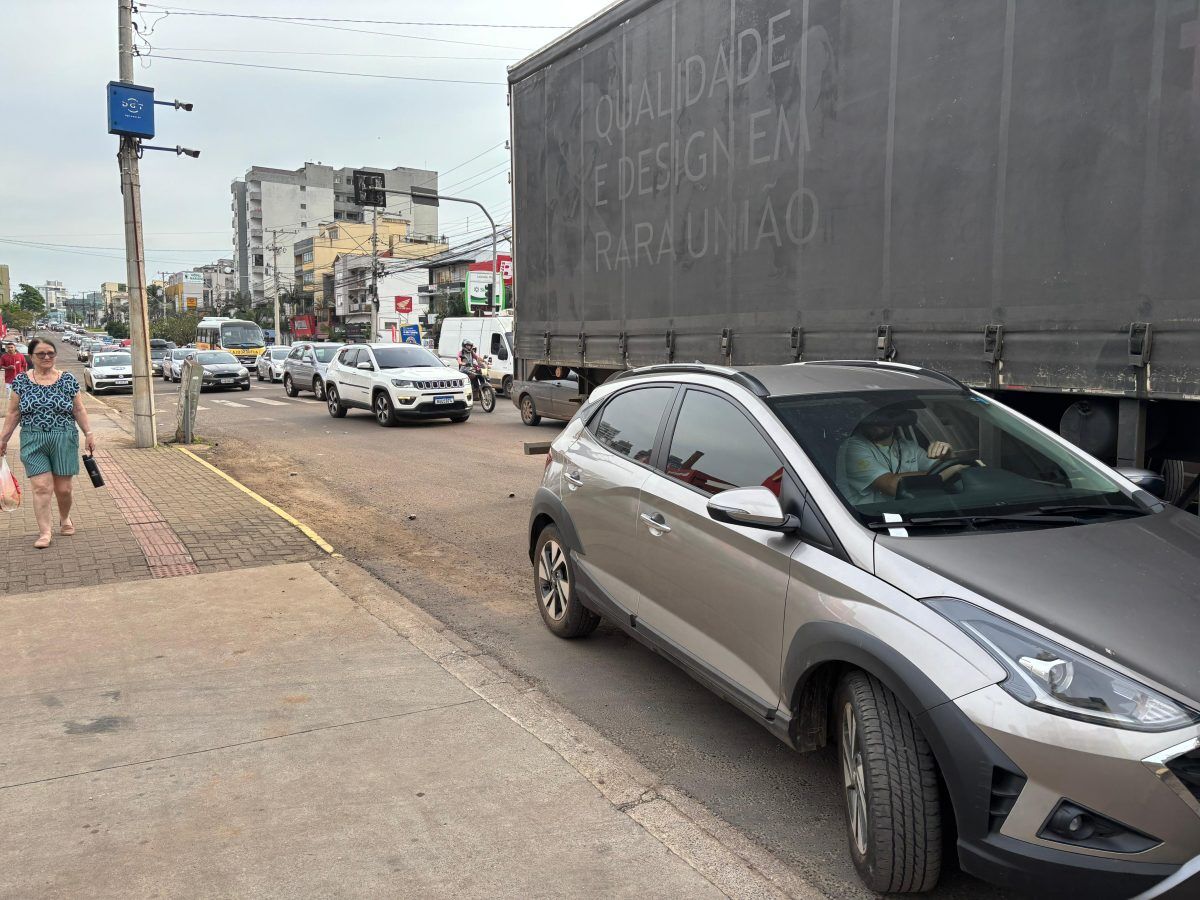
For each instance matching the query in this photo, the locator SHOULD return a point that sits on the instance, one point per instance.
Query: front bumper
(124, 383)
(410, 403)
(218, 382)
(1007, 767)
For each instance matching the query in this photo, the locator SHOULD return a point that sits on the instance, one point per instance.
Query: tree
(180, 329)
(17, 318)
(117, 329)
(30, 298)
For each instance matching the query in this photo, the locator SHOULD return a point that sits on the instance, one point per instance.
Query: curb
(726, 857)
(304, 529)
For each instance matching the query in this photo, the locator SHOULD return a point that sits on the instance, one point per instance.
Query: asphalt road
(440, 511)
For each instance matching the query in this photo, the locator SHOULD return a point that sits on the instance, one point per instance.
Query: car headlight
(244, 372)
(1047, 676)
(400, 382)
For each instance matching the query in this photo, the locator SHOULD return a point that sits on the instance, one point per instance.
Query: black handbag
(93, 470)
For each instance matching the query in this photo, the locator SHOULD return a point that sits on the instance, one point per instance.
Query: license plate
(226, 380)
(441, 400)
(121, 381)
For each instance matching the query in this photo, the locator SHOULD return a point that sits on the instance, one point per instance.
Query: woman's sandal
(42, 542)
(68, 528)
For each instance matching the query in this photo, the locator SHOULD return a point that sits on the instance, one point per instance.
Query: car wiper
(1083, 509)
(976, 520)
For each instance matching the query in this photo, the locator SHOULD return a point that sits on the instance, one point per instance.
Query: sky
(59, 183)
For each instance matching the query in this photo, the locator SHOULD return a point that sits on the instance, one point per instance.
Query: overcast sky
(58, 176)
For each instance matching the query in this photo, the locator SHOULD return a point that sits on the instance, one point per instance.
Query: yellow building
(315, 257)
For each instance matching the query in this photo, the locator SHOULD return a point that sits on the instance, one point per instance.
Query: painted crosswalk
(232, 403)
(266, 401)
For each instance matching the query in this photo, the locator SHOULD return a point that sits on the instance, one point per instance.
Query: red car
(125, 343)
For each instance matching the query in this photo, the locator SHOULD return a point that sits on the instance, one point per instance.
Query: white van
(491, 335)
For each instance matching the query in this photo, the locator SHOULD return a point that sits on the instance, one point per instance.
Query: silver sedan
(270, 363)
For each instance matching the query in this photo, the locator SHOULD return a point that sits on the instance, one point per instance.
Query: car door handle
(655, 522)
(574, 479)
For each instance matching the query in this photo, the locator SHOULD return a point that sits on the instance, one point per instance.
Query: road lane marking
(265, 401)
(307, 532)
(230, 403)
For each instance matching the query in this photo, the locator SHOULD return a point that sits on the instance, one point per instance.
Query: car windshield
(325, 354)
(241, 334)
(876, 448)
(180, 353)
(280, 352)
(112, 359)
(405, 356)
(216, 358)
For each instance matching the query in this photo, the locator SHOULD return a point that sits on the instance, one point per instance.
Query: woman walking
(47, 404)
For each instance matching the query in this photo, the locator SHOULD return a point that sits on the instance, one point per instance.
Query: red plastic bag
(10, 491)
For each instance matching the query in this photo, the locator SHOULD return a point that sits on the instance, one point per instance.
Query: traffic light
(487, 292)
(368, 188)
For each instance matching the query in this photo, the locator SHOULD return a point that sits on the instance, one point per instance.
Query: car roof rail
(886, 364)
(747, 381)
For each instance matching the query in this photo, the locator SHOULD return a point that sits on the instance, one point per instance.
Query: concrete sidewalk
(200, 698)
(258, 733)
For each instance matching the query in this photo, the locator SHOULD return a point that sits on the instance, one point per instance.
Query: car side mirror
(366, 367)
(754, 507)
(1147, 480)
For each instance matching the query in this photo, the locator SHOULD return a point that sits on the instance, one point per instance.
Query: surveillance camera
(185, 151)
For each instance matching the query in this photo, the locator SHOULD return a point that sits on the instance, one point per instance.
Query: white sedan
(108, 371)
(270, 363)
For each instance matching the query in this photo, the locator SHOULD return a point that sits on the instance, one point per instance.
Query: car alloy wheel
(528, 414)
(333, 404)
(554, 584)
(319, 388)
(853, 780)
(289, 388)
(384, 414)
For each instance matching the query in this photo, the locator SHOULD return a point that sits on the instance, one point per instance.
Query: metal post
(144, 432)
(374, 274)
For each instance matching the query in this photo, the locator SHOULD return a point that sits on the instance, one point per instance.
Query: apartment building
(274, 209)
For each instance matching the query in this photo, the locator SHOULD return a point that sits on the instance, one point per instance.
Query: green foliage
(30, 298)
(180, 329)
(17, 318)
(117, 329)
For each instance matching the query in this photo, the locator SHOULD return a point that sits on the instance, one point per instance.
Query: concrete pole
(374, 333)
(144, 431)
(275, 277)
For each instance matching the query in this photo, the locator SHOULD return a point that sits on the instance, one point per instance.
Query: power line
(414, 37)
(458, 58)
(182, 11)
(223, 62)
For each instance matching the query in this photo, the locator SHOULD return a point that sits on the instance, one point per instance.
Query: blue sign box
(130, 110)
(410, 334)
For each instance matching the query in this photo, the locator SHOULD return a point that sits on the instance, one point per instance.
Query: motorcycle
(483, 389)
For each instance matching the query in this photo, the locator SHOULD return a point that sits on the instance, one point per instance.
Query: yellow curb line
(308, 532)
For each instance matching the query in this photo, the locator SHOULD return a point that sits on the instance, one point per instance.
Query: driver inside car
(882, 451)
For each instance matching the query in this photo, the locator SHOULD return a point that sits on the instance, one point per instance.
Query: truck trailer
(1004, 190)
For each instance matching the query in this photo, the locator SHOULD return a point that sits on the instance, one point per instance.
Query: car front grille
(1187, 769)
(438, 385)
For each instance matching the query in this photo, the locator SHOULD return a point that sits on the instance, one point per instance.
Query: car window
(629, 421)
(325, 354)
(112, 359)
(216, 358)
(716, 448)
(350, 357)
(295, 354)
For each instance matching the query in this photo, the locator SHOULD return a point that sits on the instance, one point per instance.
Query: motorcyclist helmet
(467, 345)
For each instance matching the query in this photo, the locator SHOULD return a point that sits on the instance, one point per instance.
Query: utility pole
(374, 274)
(144, 431)
(275, 232)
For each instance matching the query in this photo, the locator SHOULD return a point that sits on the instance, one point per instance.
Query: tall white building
(275, 208)
(220, 284)
(55, 295)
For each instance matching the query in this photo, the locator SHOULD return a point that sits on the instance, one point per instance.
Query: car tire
(319, 388)
(554, 588)
(333, 404)
(890, 786)
(529, 414)
(246, 386)
(506, 386)
(258, 374)
(460, 419)
(384, 411)
(289, 388)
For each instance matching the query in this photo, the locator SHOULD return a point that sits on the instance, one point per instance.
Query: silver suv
(998, 633)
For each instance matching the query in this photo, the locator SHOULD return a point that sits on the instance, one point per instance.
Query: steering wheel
(957, 458)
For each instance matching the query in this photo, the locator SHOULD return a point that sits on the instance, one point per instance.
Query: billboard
(479, 278)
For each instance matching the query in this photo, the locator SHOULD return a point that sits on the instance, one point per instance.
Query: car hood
(1128, 589)
(224, 369)
(112, 370)
(425, 373)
